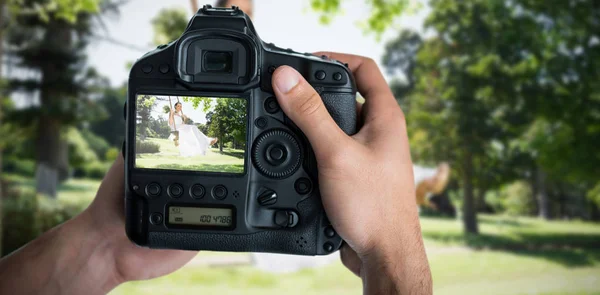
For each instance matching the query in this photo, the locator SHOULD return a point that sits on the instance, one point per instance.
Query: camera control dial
(276, 154)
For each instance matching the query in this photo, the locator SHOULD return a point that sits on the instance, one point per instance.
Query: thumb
(304, 106)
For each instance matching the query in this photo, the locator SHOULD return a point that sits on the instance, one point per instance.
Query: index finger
(370, 82)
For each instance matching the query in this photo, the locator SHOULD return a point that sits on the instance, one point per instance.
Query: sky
(292, 25)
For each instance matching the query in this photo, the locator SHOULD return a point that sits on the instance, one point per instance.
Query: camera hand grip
(342, 108)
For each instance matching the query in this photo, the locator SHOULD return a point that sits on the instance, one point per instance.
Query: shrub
(518, 198)
(96, 143)
(94, 170)
(515, 198)
(79, 149)
(111, 154)
(146, 147)
(18, 223)
(24, 167)
(26, 216)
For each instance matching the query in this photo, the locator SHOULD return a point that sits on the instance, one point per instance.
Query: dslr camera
(211, 161)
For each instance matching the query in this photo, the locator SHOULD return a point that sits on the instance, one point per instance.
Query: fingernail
(287, 79)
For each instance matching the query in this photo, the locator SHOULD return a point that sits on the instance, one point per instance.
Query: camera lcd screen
(187, 133)
(201, 216)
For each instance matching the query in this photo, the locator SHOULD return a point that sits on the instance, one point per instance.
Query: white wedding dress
(192, 142)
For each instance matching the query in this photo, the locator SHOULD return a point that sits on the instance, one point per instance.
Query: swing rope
(171, 104)
(182, 115)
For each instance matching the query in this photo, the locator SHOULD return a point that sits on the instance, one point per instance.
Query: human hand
(107, 217)
(366, 180)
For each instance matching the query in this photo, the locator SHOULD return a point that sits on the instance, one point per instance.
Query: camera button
(175, 190)
(271, 69)
(197, 191)
(337, 76)
(276, 154)
(153, 189)
(219, 192)
(285, 218)
(156, 218)
(328, 247)
(329, 232)
(164, 68)
(303, 186)
(320, 75)
(147, 68)
(261, 122)
(271, 105)
(267, 197)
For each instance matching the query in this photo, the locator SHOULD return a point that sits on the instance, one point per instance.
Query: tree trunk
(221, 144)
(480, 204)
(594, 212)
(48, 152)
(50, 146)
(542, 195)
(469, 212)
(2, 26)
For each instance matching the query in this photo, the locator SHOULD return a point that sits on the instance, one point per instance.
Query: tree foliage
(505, 91)
(169, 24)
(383, 13)
(226, 119)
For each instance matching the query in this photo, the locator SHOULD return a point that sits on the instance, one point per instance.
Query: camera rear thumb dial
(276, 154)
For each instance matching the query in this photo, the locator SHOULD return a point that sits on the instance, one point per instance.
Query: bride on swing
(188, 138)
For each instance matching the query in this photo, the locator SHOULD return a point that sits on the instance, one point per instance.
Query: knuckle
(308, 106)
(370, 62)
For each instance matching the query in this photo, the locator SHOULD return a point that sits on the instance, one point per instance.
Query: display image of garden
(167, 136)
(502, 96)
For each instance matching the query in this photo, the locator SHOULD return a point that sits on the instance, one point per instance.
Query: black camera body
(269, 200)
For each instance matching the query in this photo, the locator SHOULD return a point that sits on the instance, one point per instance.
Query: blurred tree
(383, 13)
(169, 24)
(565, 97)
(10, 10)
(109, 124)
(517, 79)
(49, 45)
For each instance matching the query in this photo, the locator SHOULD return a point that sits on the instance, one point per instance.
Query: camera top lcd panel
(211, 161)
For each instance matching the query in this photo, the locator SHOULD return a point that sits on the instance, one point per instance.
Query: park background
(506, 92)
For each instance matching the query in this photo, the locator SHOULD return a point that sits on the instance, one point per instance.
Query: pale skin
(177, 110)
(365, 180)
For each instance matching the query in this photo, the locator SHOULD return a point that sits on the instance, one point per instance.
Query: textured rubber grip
(342, 107)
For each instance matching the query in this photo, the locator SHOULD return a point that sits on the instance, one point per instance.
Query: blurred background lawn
(506, 92)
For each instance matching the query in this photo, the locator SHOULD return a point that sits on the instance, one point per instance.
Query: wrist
(397, 263)
(88, 256)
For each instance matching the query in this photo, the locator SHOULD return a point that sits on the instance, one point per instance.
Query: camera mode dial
(276, 154)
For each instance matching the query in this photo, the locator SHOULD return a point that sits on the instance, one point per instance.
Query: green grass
(72, 192)
(454, 272)
(514, 233)
(333, 279)
(230, 160)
